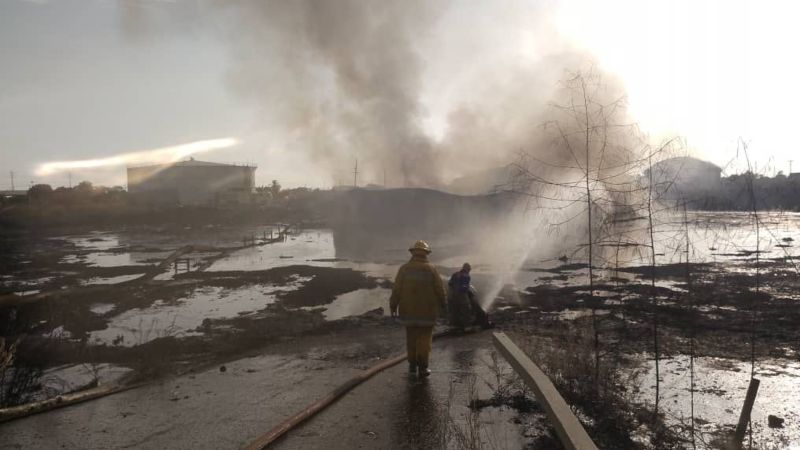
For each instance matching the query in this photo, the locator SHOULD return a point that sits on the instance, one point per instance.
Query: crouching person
(465, 310)
(459, 303)
(417, 297)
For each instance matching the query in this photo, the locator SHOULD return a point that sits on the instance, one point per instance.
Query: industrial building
(192, 182)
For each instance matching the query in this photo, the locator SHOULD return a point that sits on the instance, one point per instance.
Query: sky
(96, 79)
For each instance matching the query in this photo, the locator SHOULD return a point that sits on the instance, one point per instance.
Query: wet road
(393, 410)
(214, 409)
(209, 409)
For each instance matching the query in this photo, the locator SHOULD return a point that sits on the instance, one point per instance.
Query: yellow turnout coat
(418, 293)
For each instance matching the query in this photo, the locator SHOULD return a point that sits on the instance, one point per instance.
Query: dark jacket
(460, 282)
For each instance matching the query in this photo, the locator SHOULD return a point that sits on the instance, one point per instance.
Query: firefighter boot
(424, 371)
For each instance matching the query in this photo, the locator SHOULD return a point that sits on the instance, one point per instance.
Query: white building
(192, 183)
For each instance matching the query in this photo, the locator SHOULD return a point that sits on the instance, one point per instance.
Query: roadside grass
(606, 408)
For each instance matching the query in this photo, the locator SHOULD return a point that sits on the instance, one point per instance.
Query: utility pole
(355, 175)
(790, 166)
(69, 176)
(12, 181)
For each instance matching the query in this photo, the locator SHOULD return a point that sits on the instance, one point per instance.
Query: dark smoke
(353, 77)
(344, 80)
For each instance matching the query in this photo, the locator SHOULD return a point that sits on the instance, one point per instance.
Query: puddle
(102, 259)
(376, 270)
(95, 241)
(111, 280)
(65, 379)
(472, 375)
(310, 248)
(24, 287)
(102, 308)
(58, 333)
(599, 293)
(138, 326)
(573, 314)
(167, 275)
(358, 302)
(28, 292)
(720, 388)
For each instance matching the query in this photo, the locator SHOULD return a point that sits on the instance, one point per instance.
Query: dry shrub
(19, 374)
(606, 408)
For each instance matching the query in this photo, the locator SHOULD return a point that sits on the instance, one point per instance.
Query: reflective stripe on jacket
(418, 293)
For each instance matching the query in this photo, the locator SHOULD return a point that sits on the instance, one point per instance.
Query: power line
(355, 175)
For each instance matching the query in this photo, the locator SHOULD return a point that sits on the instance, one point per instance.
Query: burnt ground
(719, 307)
(291, 328)
(221, 339)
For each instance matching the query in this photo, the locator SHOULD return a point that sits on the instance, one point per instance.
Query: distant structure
(489, 181)
(13, 193)
(192, 182)
(377, 224)
(685, 177)
(368, 187)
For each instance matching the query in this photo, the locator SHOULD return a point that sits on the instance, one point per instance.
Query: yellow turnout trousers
(418, 345)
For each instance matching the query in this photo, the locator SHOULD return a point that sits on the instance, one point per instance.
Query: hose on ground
(284, 427)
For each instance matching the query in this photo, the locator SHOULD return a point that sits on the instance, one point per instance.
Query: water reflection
(420, 424)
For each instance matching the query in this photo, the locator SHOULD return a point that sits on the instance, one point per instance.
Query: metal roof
(191, 162)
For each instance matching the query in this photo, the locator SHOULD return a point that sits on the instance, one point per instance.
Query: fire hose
(284, 427)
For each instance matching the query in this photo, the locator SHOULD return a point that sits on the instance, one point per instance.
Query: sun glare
(711, 71)
(153, 156)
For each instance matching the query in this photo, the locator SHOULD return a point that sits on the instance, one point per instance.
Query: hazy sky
(86, 79)
(73, 87)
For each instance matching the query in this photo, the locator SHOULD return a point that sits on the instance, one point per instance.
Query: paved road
(214, 409)
(393, 410)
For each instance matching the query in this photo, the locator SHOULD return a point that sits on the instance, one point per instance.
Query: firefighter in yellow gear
(418, 296)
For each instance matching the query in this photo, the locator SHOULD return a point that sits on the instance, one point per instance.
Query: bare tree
(586, 173)
(654, 297)
(692, 324)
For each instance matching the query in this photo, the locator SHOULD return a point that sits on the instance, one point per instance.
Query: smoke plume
(342, 76)
(421, 91)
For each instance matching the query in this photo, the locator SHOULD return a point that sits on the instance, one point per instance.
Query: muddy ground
(75, 301)
(717, 317)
